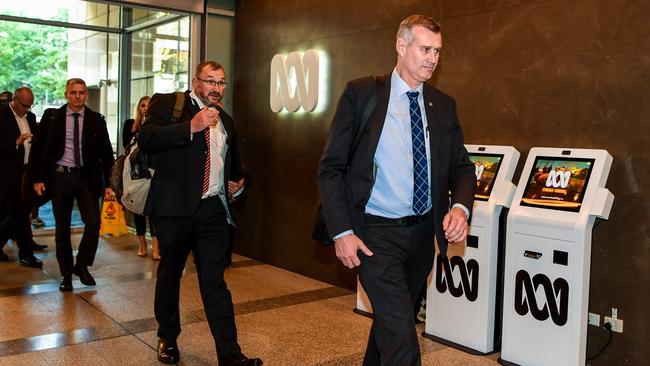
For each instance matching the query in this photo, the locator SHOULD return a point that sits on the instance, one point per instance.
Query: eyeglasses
(212, 83)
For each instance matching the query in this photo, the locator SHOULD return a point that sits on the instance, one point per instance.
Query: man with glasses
(72, 159)
(17, 125)
(197, 170)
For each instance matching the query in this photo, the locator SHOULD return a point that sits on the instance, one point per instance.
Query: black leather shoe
(168, 351)
(66, 284)
(239, 359)
(84, 276)
(37, 246)
(31, 262)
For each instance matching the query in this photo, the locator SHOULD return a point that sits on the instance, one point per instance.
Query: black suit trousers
(15, 217)
(65, 188)
(393, 277)
(205, 234)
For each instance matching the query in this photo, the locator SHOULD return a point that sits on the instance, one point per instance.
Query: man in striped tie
(192, 145)
(384, 204)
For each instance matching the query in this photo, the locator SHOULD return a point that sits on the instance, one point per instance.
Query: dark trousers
(15, 217)
(393, 277)
(205, 234)
(66, 187)
(140, 222)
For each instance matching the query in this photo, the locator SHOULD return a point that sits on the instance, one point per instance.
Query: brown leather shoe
(168, 351)
(239, 359)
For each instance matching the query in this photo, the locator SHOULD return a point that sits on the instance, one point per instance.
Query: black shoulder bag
(320, 232)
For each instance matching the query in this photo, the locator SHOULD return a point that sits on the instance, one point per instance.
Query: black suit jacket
(178, 159)
(48, 147)
(345, 192)
(11, 158)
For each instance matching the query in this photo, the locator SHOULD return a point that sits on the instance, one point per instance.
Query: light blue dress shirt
(392, 193)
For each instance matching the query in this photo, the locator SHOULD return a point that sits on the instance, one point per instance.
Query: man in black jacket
(72, 158)
(197, 169)
(17, 125)
(384, 209)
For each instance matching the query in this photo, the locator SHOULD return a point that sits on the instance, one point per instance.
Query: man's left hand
(455, 225)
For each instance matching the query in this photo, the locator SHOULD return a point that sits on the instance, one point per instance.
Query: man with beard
(197, 170)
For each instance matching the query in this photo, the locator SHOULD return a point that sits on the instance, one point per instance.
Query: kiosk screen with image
(486, 168)
(557, 183)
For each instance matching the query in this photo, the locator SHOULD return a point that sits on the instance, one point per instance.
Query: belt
(67, 169)
(373, 220)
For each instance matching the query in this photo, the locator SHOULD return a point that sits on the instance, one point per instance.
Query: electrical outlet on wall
(617, 324)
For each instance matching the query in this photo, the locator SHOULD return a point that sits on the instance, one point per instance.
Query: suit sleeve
(158, 133)
(36, 164)
(462, 180)
(106, 150)
(332, 167)
(7, 140)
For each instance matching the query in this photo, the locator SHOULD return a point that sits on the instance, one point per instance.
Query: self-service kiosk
(548, 255)
(462, 293)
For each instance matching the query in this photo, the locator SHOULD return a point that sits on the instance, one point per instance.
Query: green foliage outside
(35, 56)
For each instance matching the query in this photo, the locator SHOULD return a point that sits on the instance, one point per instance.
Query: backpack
(131, 176)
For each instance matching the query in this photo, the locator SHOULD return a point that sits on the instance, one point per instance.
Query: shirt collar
(196, 99)
(69, 112)
(399, 86)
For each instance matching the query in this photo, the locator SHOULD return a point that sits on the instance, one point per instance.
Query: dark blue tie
(75, 140)
(420, 181)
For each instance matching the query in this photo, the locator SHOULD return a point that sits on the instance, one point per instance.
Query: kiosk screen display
(486, 168)
(557, 183)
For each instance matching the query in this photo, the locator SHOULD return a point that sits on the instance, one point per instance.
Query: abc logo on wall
(294, 81)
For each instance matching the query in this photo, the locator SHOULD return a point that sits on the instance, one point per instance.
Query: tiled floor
(282, 317)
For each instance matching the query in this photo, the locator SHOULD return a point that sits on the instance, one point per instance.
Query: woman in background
(131, 128)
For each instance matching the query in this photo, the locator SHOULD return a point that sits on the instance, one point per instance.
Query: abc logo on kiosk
(294, 81)
(468, 283)
(558, 179)
(556, 293)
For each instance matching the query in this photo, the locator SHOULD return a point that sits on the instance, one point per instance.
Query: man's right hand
(39, 188)
(346, 250)
(205, 118)
(22, 138)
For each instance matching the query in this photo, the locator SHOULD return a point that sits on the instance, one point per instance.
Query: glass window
(70, 11)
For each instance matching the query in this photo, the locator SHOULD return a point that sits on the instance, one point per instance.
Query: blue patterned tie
(420, 181)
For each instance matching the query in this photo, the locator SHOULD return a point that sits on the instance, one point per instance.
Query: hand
(204, 119)
(109, 192)
(455, 225)
(234, 187)
(39, 188)
(23, 137)
(346, 250)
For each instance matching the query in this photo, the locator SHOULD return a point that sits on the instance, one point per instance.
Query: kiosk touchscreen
(548, 255)
(462, 295)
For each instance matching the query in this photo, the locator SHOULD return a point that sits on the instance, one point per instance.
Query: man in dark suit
(384, 209)
(197, 169)
(17, 125)
(72, 158)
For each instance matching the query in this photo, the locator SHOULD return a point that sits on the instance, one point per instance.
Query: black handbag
(320, 232)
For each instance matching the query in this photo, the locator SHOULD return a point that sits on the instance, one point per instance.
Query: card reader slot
(531, 254)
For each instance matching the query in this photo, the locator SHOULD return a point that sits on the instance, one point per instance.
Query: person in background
(17, 125)
(131, 129)
(72, 157)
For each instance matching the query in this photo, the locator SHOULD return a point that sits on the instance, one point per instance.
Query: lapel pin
(430, 104)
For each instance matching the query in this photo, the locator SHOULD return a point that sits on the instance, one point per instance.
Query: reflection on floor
(282, 317)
